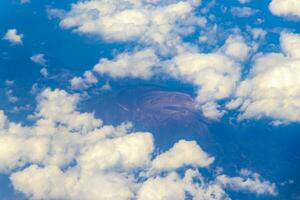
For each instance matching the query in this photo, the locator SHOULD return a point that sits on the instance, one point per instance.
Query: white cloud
(215, 75)
(84, 82)
(127, 152)
(182, 153)
(174, 187)
(212, 110)
(236, 48)
(248, 181)
(272, 88)
(66, 154)
(12, 36)
(139, 64)
(52, 183)
(286, 8)
(39, 59)
(159, 188)
(159, 23)
(59, 107)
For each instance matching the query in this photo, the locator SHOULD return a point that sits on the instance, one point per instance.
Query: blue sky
(149, 99)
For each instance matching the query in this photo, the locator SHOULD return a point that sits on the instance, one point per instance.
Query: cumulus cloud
(183, 153)
(139, 64)
(84, 82)
(215, 74)
(67, 154)
(249, 181)
(236, 48)
(272, 88)
(286, 8)
(158, 23)
(13, 37)
(170, 187)
(176, 187)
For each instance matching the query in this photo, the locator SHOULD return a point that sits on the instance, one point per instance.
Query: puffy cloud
(183, 153)
(151, 22)
(170, 187)
(59, 107)
(12, 36)
(290, 44)
(236, 48)
(286, 8)
(52, 183)
(55, 114)
(16, 151)
(175, 187)
(272, 88)
(84, 82)
(66, 154)
(127, 152)
(39, 59)
(248, 181)
(139, 64)
(215, 74)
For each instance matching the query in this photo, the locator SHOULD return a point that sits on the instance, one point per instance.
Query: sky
(149, 99)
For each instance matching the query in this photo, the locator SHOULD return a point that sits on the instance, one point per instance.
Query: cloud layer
(216, 75)
(66, 154)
